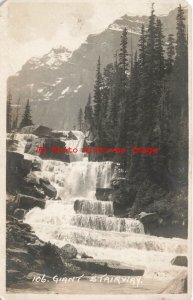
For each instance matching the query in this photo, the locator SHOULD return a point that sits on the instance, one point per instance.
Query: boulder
(38, 130)
(28, 202)
(44, 180)
(178, 285)
(49, 190)
(32, 190)
(147, 218)
(72, 136)
(48, 143)
(31, 146)
(52, 259)
(68, 252)
(19, 213)
(180, 261)
(57, 143)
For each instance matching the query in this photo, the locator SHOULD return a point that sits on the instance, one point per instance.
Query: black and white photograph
(97, 148)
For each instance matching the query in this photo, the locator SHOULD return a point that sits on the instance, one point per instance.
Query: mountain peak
(53, 59)
(132, 23)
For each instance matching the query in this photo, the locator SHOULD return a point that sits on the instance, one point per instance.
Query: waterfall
(107, 223)
(89, 224)
(94, 207)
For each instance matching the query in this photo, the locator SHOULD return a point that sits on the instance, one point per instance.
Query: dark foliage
(144, 102)
(26, 119)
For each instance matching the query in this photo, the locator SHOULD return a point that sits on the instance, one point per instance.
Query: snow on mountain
(59, 82)
(54, 59)
(133, 24)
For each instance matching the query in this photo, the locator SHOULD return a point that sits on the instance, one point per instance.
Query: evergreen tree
(123, 57)
(88, 115)
(132, 107)
(15, 122)
(112, 119)
(97, 97)
(181, 41)
(142, 47)
(170, 53)
(180, 99)
(159, 51)
(9, 112)
(148, 81)
(26, 119)
(80, 120)
(123, 99)
(181, 62)
(108, 77)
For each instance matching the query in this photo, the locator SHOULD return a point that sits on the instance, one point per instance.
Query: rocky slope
(59, 82)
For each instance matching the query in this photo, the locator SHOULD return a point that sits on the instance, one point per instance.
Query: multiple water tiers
(89, 224)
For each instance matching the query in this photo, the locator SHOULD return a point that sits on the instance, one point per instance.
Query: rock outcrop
(48, 143)
(123, 196)
(48, 188)
(104, 194)
(106, 267)
(28, 202)
(180, 260)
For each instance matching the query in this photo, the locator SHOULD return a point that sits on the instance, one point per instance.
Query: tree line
(13, 123)
(143, 101)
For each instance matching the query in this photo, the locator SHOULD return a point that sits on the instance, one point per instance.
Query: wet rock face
(123, 196)
(180, 261)
(49, 190)
(28, 202)
(104, 194)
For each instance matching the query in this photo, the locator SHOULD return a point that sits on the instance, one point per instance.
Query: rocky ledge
(27, 254)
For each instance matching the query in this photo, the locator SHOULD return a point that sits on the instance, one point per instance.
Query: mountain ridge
(59, 82)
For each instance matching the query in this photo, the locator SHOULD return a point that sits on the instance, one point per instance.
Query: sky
(35, 27)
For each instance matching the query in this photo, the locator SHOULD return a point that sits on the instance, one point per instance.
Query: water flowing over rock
(93, 207)
(89, 224)
(107, 223)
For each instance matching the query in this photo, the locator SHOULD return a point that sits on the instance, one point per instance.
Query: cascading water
(89, 224)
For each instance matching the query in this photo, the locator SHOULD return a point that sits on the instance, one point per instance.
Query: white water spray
(92, 228)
